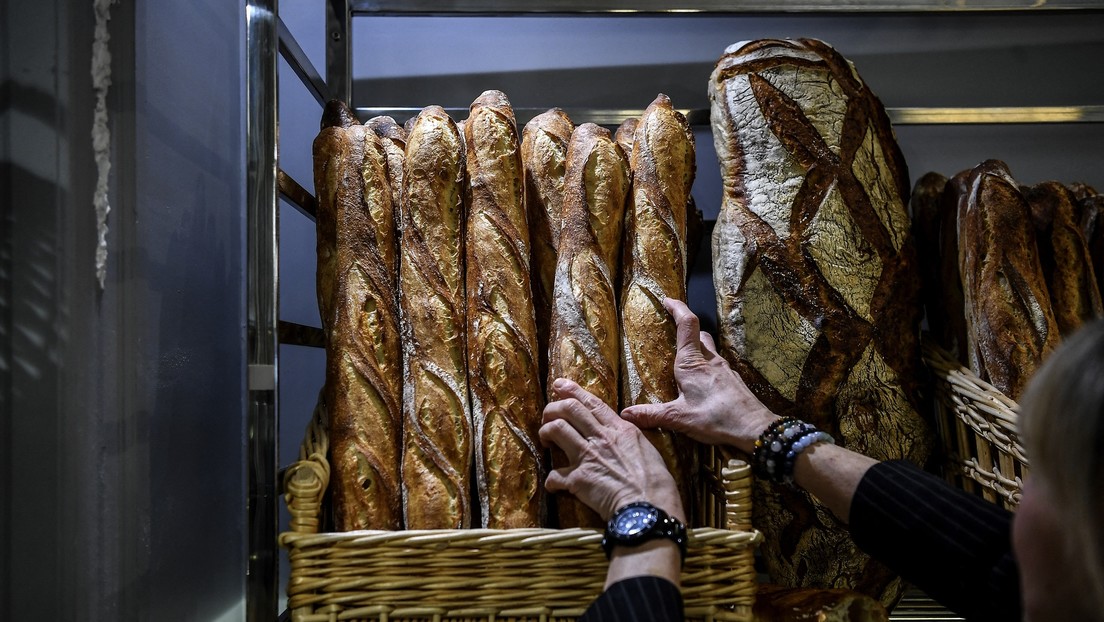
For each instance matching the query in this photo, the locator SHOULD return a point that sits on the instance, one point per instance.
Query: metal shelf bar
(899, 116)
(295, 194)
(646, 7)
(262, 427)
(301, 65)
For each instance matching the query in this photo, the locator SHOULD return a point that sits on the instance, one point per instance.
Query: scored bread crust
(544, 143)
(357, 299)
(816, 280)
(502, 336)
(584, 344)
(1064, 255)
(437, 427)
(1009, 317)
(663, 168)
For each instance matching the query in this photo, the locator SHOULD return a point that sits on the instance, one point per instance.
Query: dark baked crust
(1092, 225)
(503, 372)
(356, 259)
(1064, 256)
(437, 427)
(1008, 311)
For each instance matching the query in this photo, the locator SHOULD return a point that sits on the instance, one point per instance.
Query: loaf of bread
(1064, 256)
(503, 374)
(584, 344)
(655, 268)
(779, 604)
(1092, 225)
(626, 134)
(1008, 311)
(437, 427)
(393, 138)
(358, 302)
(817, 283)
(544, 155)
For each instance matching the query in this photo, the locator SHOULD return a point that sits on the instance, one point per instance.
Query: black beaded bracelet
(777, 448)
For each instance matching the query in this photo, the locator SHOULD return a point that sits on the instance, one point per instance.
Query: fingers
(593, 406)
(707, 342)
(562, 434)
(557, 480)
(687, 330)
(648, 416)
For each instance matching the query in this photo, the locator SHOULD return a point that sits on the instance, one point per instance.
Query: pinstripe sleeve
(953, 545)
(639, 599)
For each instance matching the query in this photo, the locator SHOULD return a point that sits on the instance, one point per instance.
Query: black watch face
(635, 521)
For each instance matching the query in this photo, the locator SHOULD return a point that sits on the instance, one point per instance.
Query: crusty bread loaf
(1092, 225)
(357, 295)
(437, 427)
(544, 155)
(626, 134)
(778, 604)
(655, 268)
(817, 283)
(1008, 311)
(393, 138)
(1064, 256)
(584, 344)
(503, 372)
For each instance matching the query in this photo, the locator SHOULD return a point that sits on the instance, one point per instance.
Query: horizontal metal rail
(899, 116)
(647, 7)
(301, 65)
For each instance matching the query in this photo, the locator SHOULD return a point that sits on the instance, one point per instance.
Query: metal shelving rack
(267, 38)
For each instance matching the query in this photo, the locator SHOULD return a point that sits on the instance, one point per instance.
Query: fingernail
(559, 384)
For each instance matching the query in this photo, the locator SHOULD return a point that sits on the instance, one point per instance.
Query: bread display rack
(977, 426)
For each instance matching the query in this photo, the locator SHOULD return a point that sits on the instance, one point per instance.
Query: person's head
(1058, 531)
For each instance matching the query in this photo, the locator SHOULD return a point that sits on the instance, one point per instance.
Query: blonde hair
(1062, 423)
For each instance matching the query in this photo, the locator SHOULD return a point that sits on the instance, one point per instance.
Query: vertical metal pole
(339, 75)
(261, 307)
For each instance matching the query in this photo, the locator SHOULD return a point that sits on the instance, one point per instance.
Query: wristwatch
(639, 522)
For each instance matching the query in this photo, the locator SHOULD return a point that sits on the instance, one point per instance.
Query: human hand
(610, 462)
(714, 405)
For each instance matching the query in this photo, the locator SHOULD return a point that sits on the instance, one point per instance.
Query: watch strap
(666, 527)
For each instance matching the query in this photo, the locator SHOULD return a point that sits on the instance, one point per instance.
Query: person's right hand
(714, 405)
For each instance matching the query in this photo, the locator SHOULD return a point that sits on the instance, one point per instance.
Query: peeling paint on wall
(101, 134)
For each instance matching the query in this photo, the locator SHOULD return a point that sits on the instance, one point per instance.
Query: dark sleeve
(951, 544)
(641, 599)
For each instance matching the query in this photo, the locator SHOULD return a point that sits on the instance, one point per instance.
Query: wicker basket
(485, 574)
(977, 426)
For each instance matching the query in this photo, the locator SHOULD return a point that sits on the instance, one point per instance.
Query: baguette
(626, 134)
(503, 373)
(544, 153)
(655, 268)
(950, 276)
(437, 427)
(1008, 311)
(1064, 256)
(584, 342)
(357, 294)
(925, 203)
(393, 138)
(778, 604)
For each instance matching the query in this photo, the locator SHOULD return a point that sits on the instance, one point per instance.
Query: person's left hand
(610, 462)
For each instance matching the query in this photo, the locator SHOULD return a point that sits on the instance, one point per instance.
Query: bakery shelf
(268, 39)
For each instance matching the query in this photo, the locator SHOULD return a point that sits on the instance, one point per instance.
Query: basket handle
(306, 481)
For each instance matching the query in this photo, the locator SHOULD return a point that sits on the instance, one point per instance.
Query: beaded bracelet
(777, 448)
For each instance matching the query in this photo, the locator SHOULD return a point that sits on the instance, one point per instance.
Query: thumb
(648, 416)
